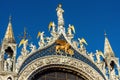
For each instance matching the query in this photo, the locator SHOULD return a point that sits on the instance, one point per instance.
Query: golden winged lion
(64, 46)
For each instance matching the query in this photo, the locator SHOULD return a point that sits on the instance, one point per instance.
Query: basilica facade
(58, 57)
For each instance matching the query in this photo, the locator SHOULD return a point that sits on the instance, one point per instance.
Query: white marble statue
(70, 29)
(32, 47)
(41, 43)
(97, 56)
(82, 41)
(9, 63)
(60, 15)
(52, 25)
(24, 42)
(5, 65)
(91, 55)
(42, 38)
(53, 28)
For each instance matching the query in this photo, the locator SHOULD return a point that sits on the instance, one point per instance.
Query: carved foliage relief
(59, 60)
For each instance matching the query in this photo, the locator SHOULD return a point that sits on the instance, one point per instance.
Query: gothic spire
(108, 52)
(9, 36)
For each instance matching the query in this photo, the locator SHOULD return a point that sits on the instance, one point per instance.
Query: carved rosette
(73, 64)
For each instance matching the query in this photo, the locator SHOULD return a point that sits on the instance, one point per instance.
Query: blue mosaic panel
(50, 50)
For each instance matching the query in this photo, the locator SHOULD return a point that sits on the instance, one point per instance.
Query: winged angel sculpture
(70, 29)
(41, 36)
(24, 43)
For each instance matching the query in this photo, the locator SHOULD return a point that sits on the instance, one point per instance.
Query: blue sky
(90, 18)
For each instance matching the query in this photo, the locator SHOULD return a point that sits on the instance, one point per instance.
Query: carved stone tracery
(60, 60)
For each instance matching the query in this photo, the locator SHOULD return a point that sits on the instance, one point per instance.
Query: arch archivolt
(73, 64)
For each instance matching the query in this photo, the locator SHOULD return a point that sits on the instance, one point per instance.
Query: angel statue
(41, 42)
(70, 29)
(98, 54)
(9, 63)
(52, 25)
(82, 47)
(60, 15)
(91, 55)
(5, 65)
(24, 42)
(82, 42)
(32, 47)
